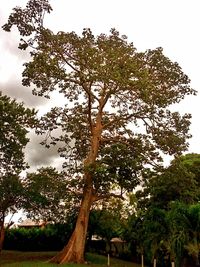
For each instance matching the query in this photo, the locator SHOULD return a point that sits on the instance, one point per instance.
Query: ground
(37, 259)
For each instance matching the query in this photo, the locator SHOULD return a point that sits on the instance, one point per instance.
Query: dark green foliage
(15, 120)
(173, 193)
(34, 9)
(178, 182)
(173, 234)
(12, 194)
(105, 224)
(50, 238)
(97, 246)
(192, 164)
(48, 197)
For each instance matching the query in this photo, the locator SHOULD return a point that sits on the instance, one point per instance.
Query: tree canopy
(177, 182)
(15, 120)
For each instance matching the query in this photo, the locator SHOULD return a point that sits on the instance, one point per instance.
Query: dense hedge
(98, 246)
(50, 238)
(54, 238)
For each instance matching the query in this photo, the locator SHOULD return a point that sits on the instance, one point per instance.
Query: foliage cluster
(50, 238)
(167, 221)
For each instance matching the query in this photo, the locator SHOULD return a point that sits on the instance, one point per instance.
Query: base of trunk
(70, 253)
(75, 248)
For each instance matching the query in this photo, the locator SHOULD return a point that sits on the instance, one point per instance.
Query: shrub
(50, 238)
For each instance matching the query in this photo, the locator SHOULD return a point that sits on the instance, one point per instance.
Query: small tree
(175, 182)
(116, 104)
(14, 120)
(12, 197)
(106, 220)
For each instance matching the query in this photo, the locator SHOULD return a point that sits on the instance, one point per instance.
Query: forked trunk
(74, 250)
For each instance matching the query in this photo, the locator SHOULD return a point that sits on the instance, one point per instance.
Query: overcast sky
(171, 24)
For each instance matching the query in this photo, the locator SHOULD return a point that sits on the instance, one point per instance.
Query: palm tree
(178, 236)
(193, 245)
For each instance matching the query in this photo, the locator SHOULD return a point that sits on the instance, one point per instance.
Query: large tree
(14, 122)
(115, 120)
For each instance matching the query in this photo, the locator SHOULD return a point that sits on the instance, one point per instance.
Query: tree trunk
(2, 236)
(74, 250)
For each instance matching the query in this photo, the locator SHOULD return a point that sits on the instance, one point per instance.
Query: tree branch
(106, 196)
(118, 119)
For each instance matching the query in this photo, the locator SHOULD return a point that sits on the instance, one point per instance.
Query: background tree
(155, 232)
(107, 219)
(175, 192)
(191, 161)
(177, 182)
(193, 231)
(135, 236)
(178, 223)
(14, 122)
(11, 199)
(48, 197)
(116, 99)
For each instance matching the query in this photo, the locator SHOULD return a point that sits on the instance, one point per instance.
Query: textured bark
(74, 250)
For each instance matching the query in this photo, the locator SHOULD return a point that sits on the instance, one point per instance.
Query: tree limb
(106, 196)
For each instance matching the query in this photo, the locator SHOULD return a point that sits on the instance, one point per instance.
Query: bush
(50, 238)
(98, 246)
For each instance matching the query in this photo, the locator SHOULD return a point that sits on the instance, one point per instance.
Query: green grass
(40, 259)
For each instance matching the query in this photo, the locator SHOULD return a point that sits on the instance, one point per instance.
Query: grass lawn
(37, 259)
